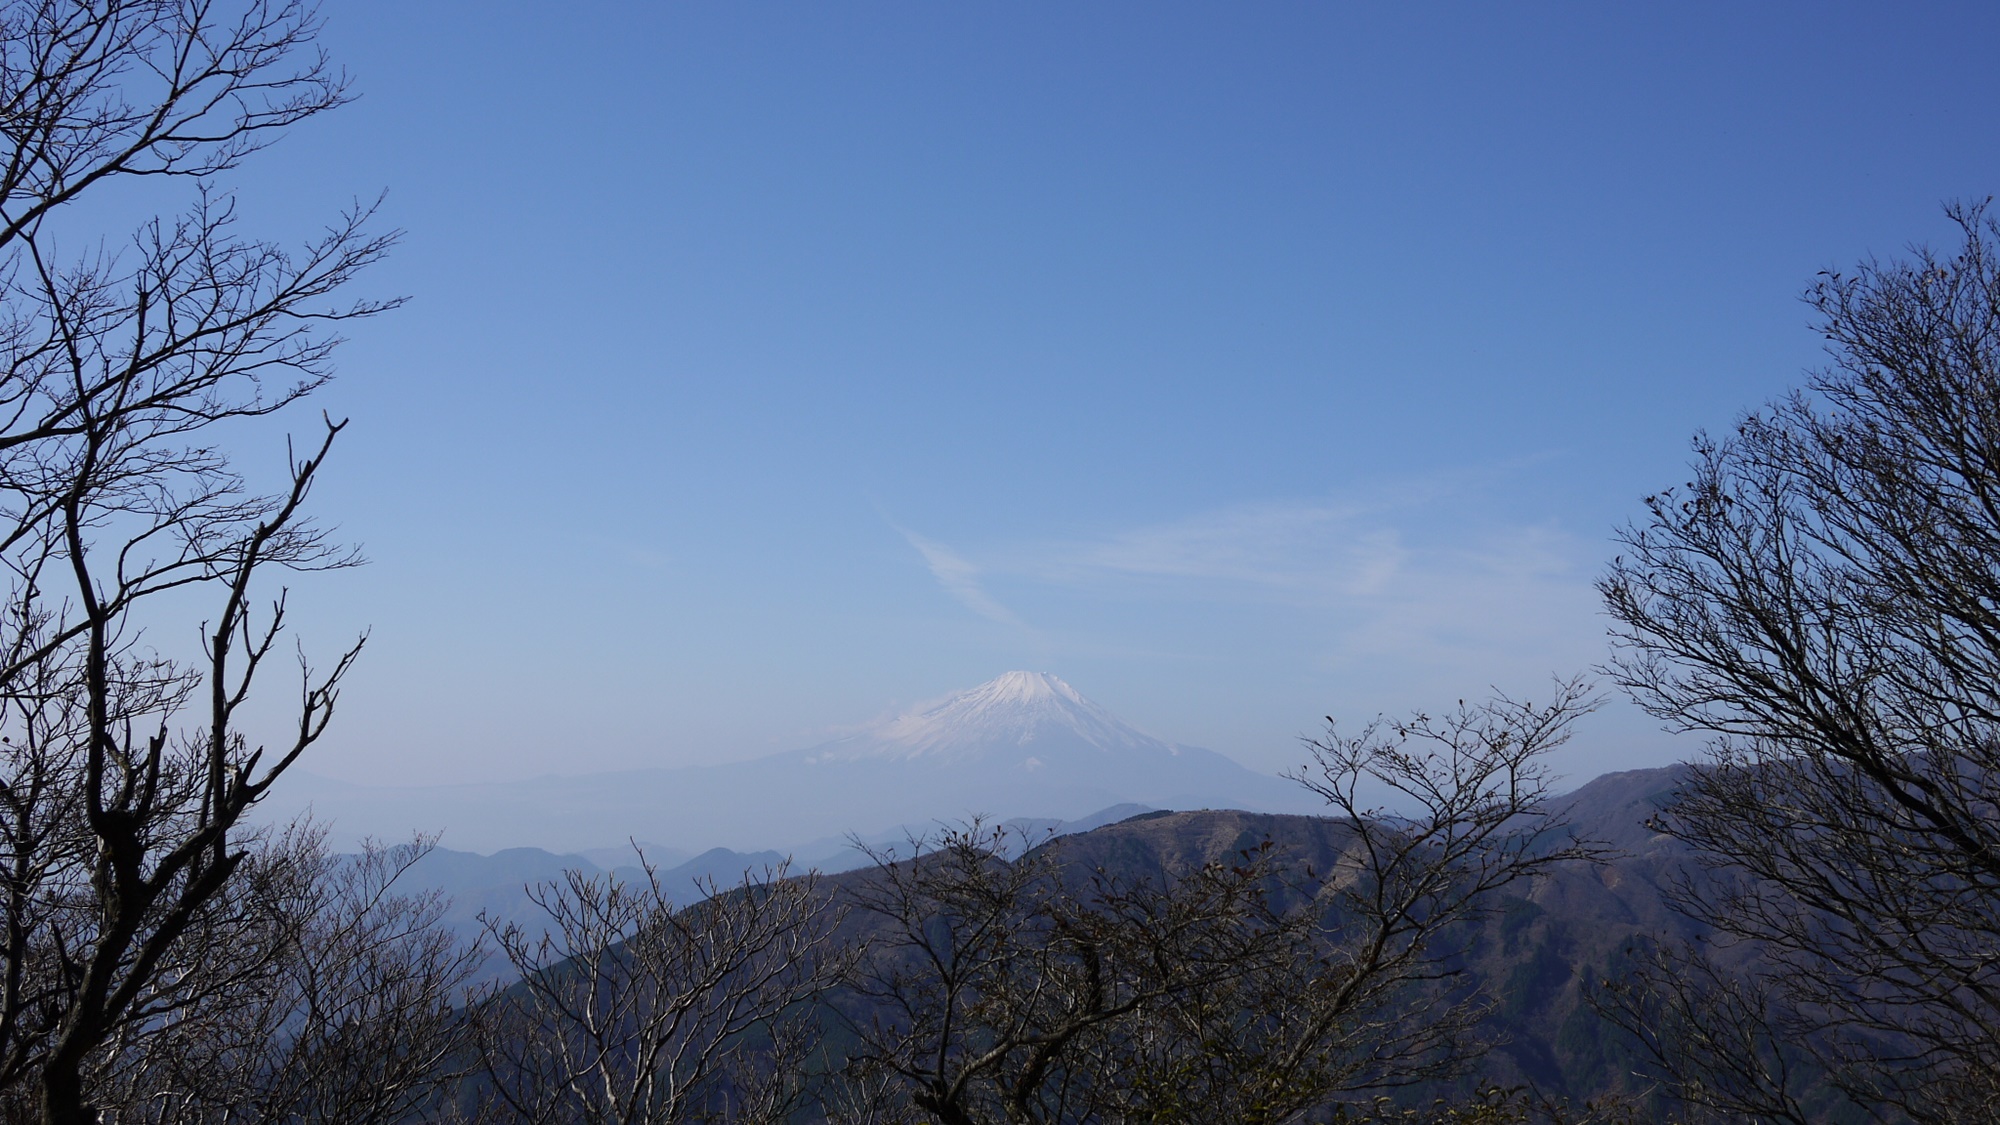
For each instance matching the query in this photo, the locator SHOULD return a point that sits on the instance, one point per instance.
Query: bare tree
(993, 990)
(632, 1011)
(1252, 988)
(125, 775)
(1470, 811)
(1822, 599)
(1718, 1031)
(1497, 1105)
(354, 1020)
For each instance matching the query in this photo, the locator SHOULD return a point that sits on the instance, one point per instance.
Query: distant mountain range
(1023, 745)
(499, 886)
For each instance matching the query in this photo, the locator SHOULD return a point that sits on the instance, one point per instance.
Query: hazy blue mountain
(659, 855)
(1023, 745)
(500, 886)
(833, 854)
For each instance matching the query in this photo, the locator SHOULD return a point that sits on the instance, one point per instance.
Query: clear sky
(771, 365)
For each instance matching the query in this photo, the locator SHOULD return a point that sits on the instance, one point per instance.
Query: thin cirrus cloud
(1394, 584)
(1294, 552)
(960, 579)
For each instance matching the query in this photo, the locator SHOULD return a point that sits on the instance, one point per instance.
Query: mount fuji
(1018, 711)
(1028, 741)
(1023, 745)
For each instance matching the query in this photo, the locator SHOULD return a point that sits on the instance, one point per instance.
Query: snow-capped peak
(1026, 687)
(1017, 709)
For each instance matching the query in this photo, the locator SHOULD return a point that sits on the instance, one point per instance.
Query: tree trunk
(63, 1101)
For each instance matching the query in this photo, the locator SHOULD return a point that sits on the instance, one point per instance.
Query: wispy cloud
(1415, 583)
(1500, 598)
(1405, 597)
(1307, 551)
(960, 579)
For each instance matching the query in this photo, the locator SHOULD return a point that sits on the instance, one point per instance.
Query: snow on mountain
(1016, 710)
(1026, 743)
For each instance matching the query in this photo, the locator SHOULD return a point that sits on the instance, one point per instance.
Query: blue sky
(768, 366)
